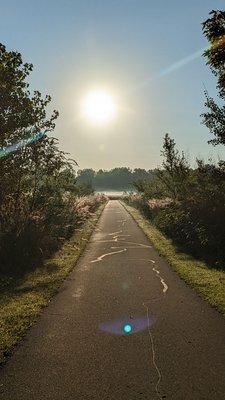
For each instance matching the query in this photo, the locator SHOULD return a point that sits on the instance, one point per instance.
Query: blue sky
(126, 47)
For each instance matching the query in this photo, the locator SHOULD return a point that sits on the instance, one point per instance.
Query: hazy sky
(126, 47)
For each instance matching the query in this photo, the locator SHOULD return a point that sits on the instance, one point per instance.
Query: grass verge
(208, 283)
(22, 300)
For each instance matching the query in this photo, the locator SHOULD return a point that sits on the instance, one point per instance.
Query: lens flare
(124, 326)
(127, 328)
(173, 67)
(5, 151)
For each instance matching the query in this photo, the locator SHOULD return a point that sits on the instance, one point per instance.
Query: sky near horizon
(145, 53)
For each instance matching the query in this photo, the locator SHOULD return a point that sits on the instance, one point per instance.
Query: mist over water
(116, 193)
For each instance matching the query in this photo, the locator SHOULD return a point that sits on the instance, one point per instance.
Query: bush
(196, 221)
(37, 235)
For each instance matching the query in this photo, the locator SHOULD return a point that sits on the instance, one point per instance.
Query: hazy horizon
(146, 54)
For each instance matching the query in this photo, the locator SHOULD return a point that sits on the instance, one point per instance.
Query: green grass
(209, 283)
(22, 300)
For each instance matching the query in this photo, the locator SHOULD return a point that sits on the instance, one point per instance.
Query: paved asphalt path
(79, 349)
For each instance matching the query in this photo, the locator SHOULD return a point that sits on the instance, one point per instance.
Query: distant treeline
(116, 178)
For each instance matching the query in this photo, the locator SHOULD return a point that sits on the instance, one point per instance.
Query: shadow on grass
(211, 258)
(38, 287)
(18, 286)
(12, 281)
(16, 264)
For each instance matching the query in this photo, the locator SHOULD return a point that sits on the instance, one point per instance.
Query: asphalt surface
(79, 348)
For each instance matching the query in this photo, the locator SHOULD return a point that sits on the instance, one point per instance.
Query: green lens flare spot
(127, 328)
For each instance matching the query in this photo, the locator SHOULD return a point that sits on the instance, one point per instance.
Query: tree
(86, 176)
(34, 179)
(214, 118)
(175, 169)
(22, 117)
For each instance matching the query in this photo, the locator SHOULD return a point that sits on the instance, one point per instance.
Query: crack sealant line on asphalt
(114, 233)
(165, 286)
(108, 254)
(153, 355)
(120, 235)
(162, 280)
(153, 352)
(124, 242)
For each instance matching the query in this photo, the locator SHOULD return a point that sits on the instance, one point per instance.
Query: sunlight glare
(98, 107)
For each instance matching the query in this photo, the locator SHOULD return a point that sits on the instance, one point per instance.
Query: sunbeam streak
(5, 151)
(175, 66)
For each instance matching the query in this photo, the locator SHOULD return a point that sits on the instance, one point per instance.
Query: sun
(98, 107)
